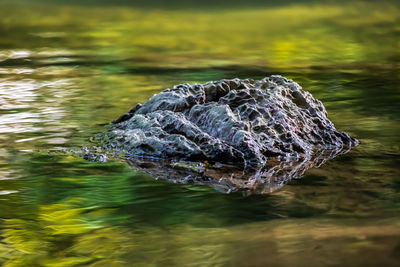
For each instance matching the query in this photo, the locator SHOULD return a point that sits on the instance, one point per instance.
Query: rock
(89, 155)
(240, 122)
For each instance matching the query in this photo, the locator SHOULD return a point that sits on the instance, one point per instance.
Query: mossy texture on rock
(234, 121)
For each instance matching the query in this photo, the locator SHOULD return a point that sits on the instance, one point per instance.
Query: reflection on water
(227, 179)
(65, 71)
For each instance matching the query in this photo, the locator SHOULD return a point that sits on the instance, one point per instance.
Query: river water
(66, 71)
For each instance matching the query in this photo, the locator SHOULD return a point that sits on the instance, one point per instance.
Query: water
(65, 71)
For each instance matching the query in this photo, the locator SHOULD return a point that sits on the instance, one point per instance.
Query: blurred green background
(67, 68)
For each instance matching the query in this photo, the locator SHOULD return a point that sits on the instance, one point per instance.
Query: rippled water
(66, 71)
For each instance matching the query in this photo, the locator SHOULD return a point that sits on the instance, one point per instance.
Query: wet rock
(91, 155)
(241, 122)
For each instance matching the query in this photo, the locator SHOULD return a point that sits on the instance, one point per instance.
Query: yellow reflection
(306, 34)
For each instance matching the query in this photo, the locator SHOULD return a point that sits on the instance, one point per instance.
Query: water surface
(66, 71)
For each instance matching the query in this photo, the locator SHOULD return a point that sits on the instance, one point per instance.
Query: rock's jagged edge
(237, 122)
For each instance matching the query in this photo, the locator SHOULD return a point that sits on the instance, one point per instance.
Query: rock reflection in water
(228, 178)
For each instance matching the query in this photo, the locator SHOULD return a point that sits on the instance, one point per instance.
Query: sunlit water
(67, 71)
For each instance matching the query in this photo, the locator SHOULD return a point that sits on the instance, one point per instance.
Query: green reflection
(70, 212)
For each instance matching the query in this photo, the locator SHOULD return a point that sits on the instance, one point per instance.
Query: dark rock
(90, 155)
(241, 122)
